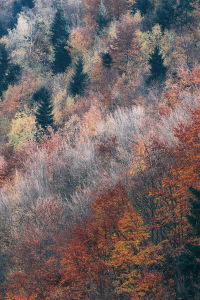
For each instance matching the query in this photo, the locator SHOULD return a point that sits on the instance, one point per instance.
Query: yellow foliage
(156, 38)
(59, 102)
(22, 129)
(139, 163)
(91, 120)
(70, 101)
(132, 253)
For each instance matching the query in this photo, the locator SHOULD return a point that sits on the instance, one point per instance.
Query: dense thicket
(99, 150)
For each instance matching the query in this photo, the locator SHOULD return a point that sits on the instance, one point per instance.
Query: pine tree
(9, 73)
(4, 63)
(14, 72)
(44, 113)
(102, 19)
(59, 28)
(189, 260)
(16, 9)
(194, 218)
(157, 67)
(144, 6)
(62, 60)
(106, 59)
(165, 14)
(79, 80)
(28, 3)
(2, 29)
(183, 12)
(60, 36)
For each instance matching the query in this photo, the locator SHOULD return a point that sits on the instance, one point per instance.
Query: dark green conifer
(62, 60)
(2, 29)
(14, 72)
(102, 18)
(165, 14)
(28, 3)
(9, 73)
(60, 36)
(183, 12)
(106, 60)
(189, 260)
(59, 29)
(79, 80)
(16, 9)
(4, 61)
(44, 113)
(157, 67)
(144, 6)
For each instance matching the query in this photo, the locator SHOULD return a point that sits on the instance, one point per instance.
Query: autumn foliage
(100, 154)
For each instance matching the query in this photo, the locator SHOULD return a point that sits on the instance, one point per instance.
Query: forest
(100, 149)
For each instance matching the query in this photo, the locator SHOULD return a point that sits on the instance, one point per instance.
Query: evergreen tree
(102, 19)
(28, 3)
(4, 63)
(62, 60)
(9, 73)
(14, 72)
(79, 80)
(44, 113)
(144, 6)
(60, 36)
(2, 29)
(106, 59)
(59, 28)
(165, 14)
(16, 9)
(189, 260)
(183, 12)
(157, 67)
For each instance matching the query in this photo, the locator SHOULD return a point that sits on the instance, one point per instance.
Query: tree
(144, 6)
(14, 72)
(125, 44)
(106, 60)
(183, 12)
(165, 14)
(157, 67)
(16, 9)
(4, 61)
(60, 33)
(2, 29)
(133, 258)
(79, 79)
(28, 3)
(85, 265)
(188, 261)
(9, 73)
(114, 9)
(60, 36)
(22, 130)
(102, 19)
(44, 114)
(62, 60)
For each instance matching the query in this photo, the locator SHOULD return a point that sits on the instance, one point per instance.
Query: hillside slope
(99, 149)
